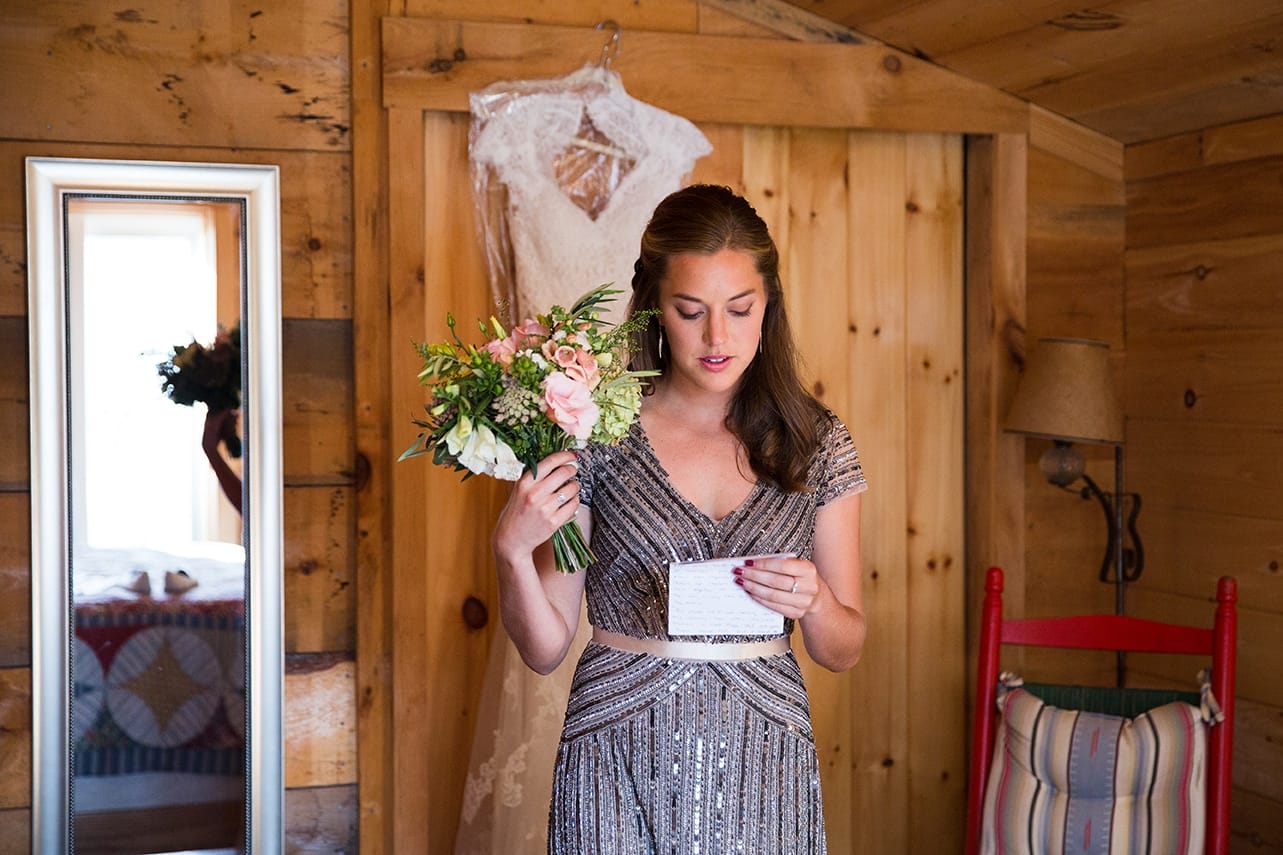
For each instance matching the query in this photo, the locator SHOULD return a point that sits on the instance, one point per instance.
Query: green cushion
(1126, 702)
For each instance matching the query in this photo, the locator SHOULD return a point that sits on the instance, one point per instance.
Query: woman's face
(712, 308)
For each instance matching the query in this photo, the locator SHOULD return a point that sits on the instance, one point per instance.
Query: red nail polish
(748, 563)
(739, 581)
(738, 571)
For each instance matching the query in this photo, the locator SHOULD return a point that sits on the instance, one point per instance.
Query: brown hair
(775, 417)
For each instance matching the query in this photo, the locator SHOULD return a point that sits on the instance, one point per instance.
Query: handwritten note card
(703, 599)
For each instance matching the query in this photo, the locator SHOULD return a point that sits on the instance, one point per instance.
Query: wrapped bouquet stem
(552, 383)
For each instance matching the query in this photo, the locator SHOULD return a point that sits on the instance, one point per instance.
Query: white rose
(507, 466)
(479, 452)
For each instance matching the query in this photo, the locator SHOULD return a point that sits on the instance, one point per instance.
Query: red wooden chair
(1117, 633)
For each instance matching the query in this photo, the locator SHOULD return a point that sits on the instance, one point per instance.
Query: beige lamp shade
(1067, 393)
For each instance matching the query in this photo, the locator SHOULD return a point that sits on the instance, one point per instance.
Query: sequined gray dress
(678, 757)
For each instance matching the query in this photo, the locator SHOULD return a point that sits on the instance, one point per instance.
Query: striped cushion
(1063, 781)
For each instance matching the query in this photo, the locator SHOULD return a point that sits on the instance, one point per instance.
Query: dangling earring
(759, 344)
(661, 344)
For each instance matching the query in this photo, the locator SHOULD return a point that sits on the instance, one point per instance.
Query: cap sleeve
(837, 467)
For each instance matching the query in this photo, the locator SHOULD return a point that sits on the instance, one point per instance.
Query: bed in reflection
(158, 707)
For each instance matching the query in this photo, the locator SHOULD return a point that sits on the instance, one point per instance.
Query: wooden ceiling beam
(433, 64)
(791, 21)
(936, 29)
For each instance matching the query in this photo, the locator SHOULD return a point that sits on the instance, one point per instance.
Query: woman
(694, 744)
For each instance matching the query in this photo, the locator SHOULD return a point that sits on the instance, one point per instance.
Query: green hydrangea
(619, 402)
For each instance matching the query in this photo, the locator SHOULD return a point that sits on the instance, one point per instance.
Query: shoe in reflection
(178, 582)
(140, 583)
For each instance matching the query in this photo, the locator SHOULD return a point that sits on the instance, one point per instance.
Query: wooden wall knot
(441, 65)
(475, 613)
(1013, 337)
(361, 471)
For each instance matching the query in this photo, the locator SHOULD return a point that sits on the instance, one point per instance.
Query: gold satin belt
(698, 651)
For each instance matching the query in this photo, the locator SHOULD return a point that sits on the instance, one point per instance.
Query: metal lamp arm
(1134, 558)
(1134, 550)
(1092, 489)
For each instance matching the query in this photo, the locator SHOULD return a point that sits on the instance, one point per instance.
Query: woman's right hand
(538, 506)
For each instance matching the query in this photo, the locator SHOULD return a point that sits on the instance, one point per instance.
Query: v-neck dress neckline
(667, 479)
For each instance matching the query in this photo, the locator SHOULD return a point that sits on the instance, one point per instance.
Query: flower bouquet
(550, 384)
(211, 374)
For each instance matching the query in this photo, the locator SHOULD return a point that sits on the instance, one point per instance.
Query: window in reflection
(139, 311)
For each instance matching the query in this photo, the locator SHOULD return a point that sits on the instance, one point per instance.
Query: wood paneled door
(866, 204)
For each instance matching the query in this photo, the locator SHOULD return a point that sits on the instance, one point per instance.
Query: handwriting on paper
(703, 599)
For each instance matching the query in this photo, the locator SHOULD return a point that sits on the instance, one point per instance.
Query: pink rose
(502, 350)
(564, 356)
(528, 334)
(569, 403)
(523, 336)
(584, 369)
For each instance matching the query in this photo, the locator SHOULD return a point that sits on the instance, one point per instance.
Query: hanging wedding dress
(583, 165)
(566, 175)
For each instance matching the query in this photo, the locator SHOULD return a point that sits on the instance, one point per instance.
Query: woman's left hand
(789, 586)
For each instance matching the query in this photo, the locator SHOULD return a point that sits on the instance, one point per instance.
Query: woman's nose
(715, 329)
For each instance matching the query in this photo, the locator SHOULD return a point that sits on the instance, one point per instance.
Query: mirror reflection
(157, 557)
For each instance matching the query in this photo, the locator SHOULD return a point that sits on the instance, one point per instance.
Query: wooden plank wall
(1069, 283)
(207, 81)
(210, 81)
(1075, 287)
(1204, 385)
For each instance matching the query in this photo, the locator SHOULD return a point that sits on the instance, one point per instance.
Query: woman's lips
(715, 363)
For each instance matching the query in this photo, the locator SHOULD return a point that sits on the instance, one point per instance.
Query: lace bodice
(559, 250)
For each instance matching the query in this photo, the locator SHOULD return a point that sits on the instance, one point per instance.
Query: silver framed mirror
(241, 705)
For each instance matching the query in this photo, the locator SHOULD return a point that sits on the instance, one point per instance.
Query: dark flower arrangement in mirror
(210, 374)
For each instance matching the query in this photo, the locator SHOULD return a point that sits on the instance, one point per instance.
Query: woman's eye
(742, 313)
(690, 316)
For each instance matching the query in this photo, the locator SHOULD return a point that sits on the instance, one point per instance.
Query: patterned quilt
(159, 690)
